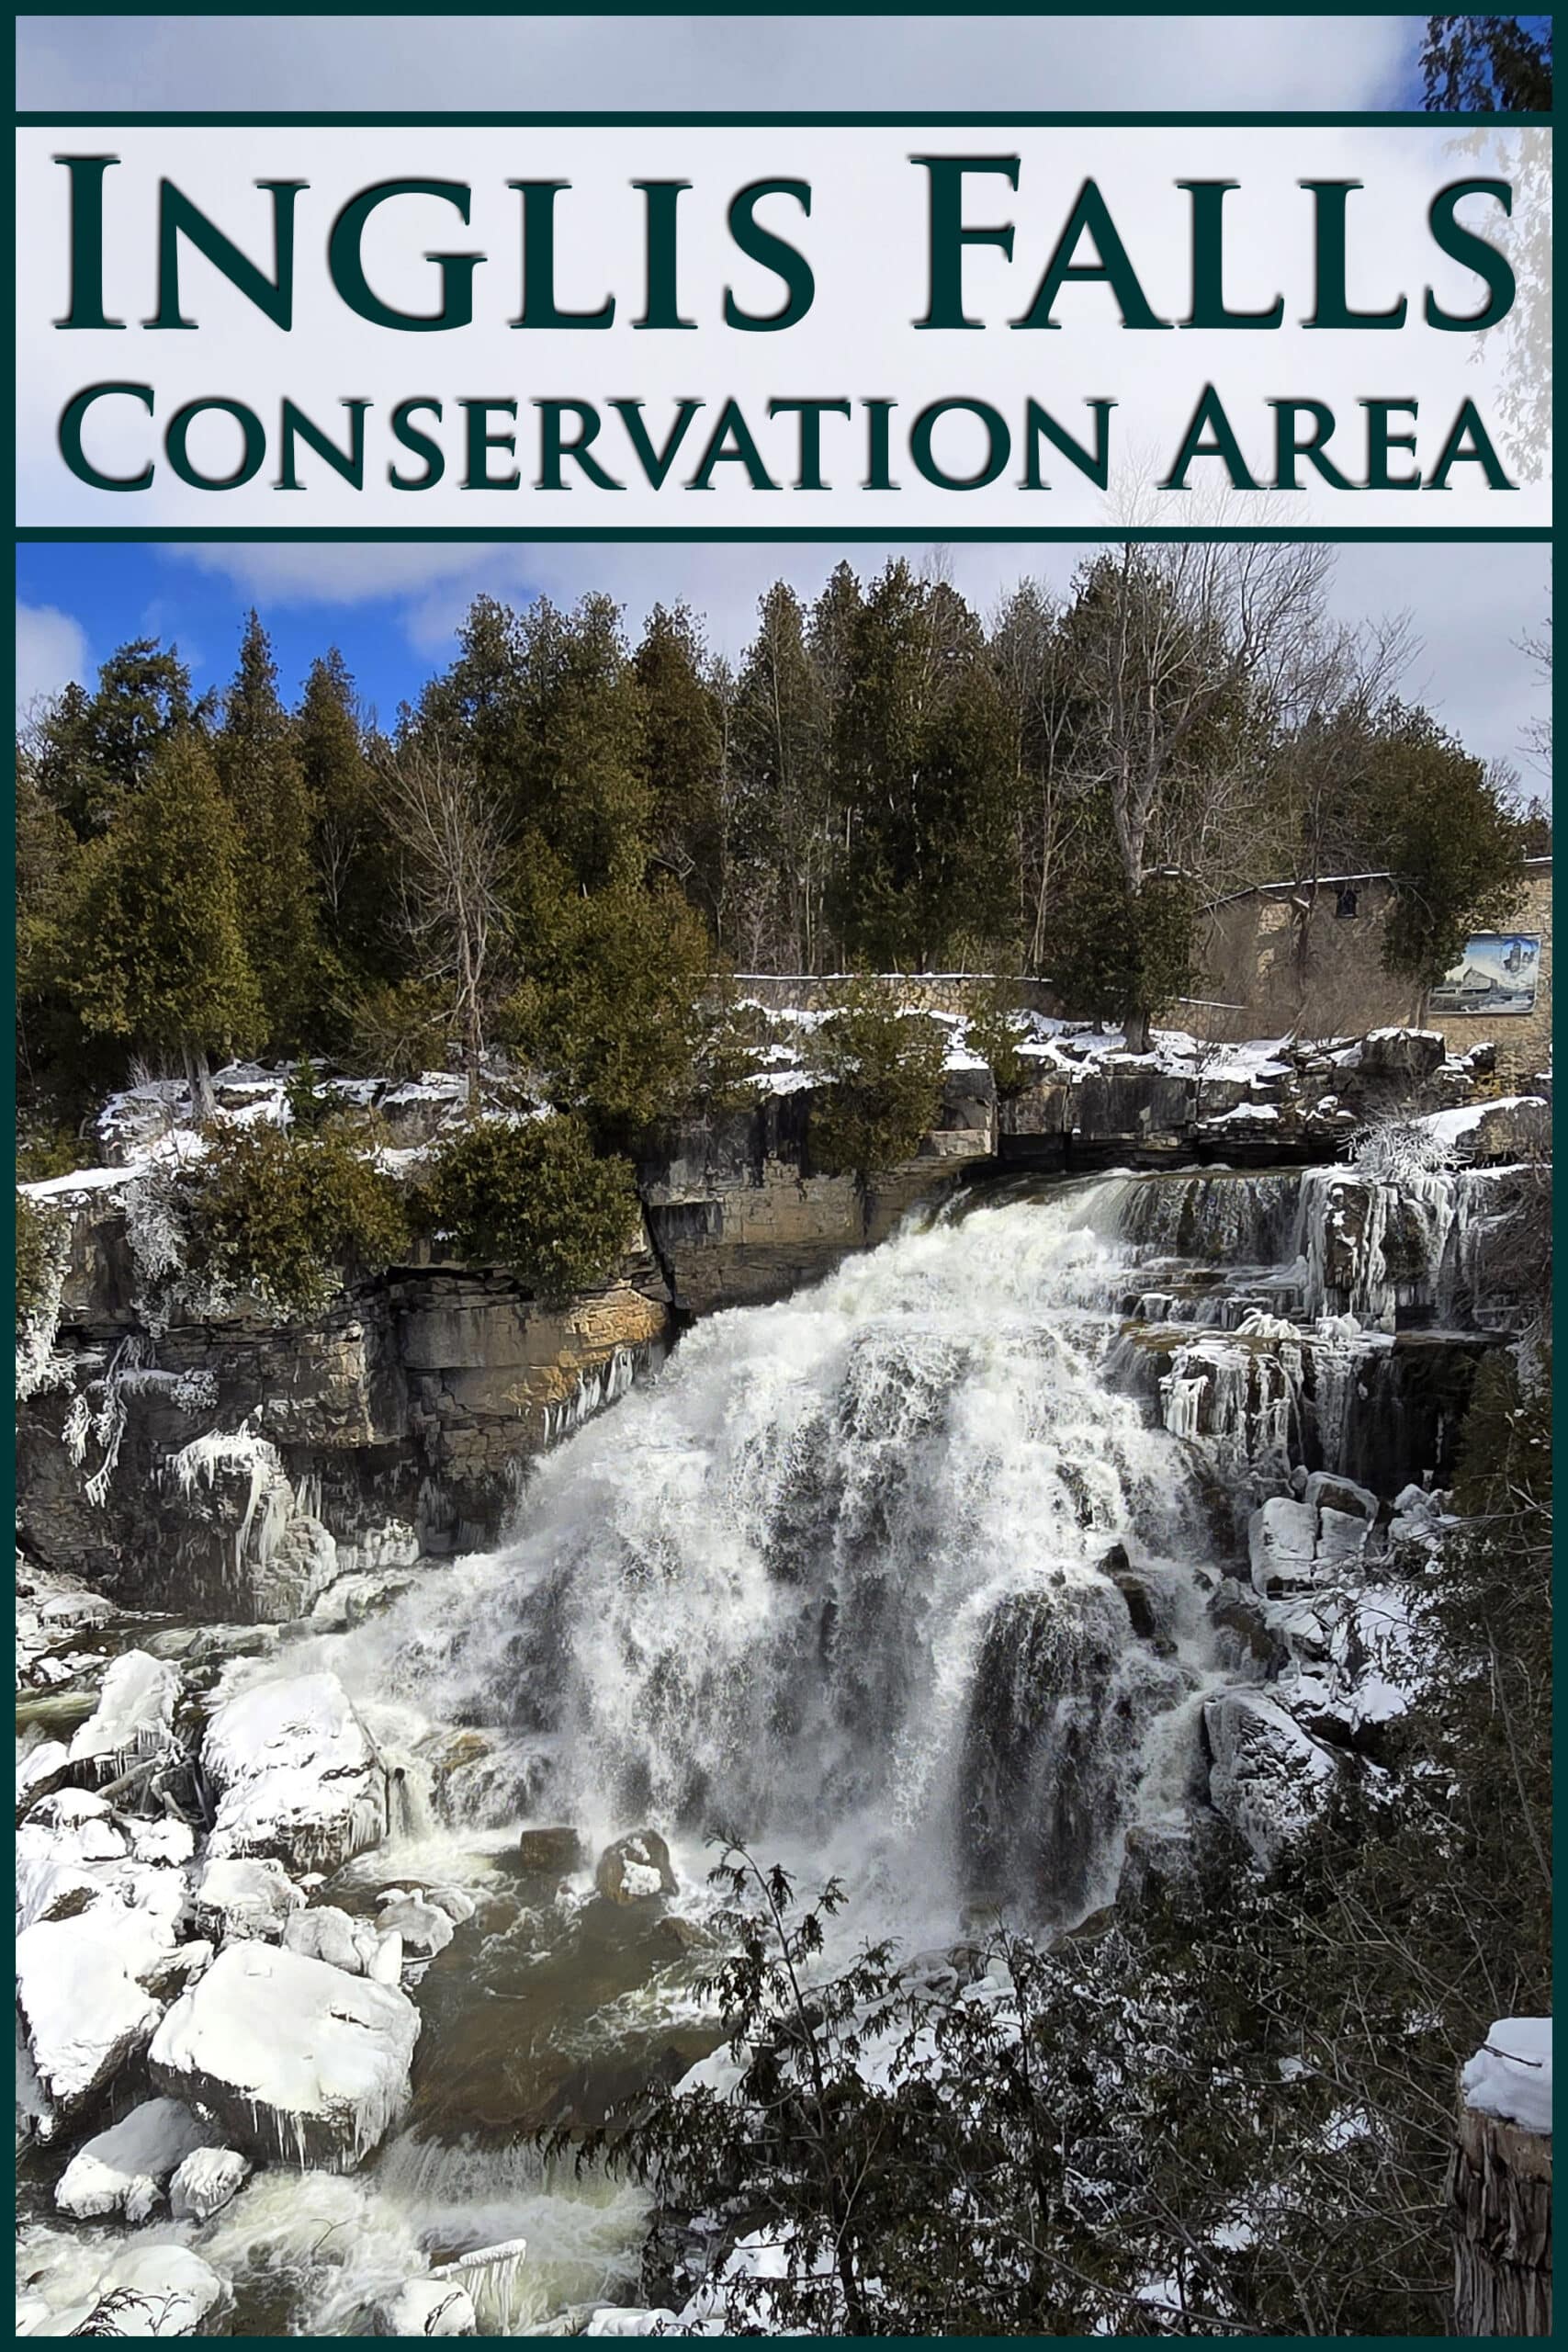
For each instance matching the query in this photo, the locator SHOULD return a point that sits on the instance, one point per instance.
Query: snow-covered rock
(428, 2307)
(491, 2276)
(356, 1946)
(423, 1928)
(245, 1900)
(74, 1850)
(633, 1868)
(156, 2291)
(135, 1718)
(1281, 1543)
(206, 2181)
(1510, 2074)
(1267, 1776)
(83, 2009)
(296, 1773)
(295, 2059)
(125, 2169)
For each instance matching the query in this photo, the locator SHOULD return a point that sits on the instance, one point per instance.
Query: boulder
(635, 1868)
(83, 2009)
(237, 1902)
(296, 1774)
(425, 1928)
(357, 1946)
(1281, 1540)
(206, 2181)
(428, 2307)
(125, 2169)
(1267, 1776)
(558, 1852)
(134, 1719)
(294, 2059)
(154, 2290)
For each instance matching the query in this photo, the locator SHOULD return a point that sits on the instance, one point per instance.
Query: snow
(429, 2307)
(353, 1945)
(244, 1898)
(134, 1717)
(206, 2181)
(154, 2291)
(297, 1774)
(1510, 2074)
(125, 2169)
(85, 2012)
(299, 2061)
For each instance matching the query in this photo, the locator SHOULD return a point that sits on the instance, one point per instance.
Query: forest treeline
(551, 851)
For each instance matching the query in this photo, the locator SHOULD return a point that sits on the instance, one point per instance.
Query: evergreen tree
(95, 750)
(781, 746)
(690, 817)
(355, 868)
(261, 775)
(154, 953)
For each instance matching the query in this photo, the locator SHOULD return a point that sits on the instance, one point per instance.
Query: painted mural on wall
(1496, 974)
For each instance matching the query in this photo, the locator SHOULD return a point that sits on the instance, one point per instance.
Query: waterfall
(788, 1588)
(902, 1573)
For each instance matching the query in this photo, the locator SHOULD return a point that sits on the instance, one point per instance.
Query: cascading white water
(837, 1579)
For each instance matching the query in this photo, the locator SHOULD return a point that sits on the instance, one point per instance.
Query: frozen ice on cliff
(297, 2061)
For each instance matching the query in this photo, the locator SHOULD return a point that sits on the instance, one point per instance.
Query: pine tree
(785, 828)
(155, 952)
(94, 750)
(689, 819)
(262, 777)
(355, 868)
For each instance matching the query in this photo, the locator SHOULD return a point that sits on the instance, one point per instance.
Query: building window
(1344, 904)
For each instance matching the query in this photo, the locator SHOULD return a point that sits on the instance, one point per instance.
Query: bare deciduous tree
(454, 839)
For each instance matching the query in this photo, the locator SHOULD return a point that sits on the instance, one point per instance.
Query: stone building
(1306, 959)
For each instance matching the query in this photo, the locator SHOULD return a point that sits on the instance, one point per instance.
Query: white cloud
(708, 62)
(51, 650)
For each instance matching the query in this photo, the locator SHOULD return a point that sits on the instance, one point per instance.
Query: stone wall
(1293, 960)
(952, 992)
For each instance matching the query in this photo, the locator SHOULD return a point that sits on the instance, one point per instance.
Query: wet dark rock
(559, 1851)
(635, 1869)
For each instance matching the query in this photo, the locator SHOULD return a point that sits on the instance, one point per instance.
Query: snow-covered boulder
(206, 2181)
(424, 1928)
(156, 2291)
(428, 2307)
(296, 1773)
(1267, 1776)
(244, 1901)
(83, 2009)
(1281, 1539)
(134, 1719)
(635, 1868)
(294, 2059)
(125, 2169)
(356, 1946)
(74, 1850)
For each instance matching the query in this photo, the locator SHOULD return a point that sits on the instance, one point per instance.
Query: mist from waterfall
(842, 1581)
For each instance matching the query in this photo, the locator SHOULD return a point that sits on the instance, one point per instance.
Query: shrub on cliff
(882, 1071)
(996, 1031)
(285, 1217)
(32, 1259)
(535, 1198)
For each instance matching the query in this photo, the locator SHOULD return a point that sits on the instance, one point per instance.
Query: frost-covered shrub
(883, 1072)
(1393, 1149)
(535, 1198)
(285, 1218)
